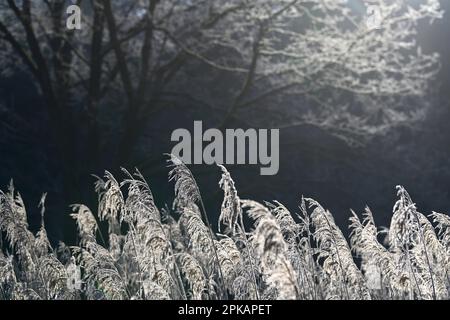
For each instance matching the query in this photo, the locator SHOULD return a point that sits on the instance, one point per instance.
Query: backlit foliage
(262, 251)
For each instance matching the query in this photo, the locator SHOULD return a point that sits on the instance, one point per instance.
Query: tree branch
(123, 67)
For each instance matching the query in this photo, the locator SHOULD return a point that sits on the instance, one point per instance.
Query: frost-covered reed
(261, 250)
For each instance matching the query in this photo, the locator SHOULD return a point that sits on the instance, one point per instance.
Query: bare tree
(140, 54)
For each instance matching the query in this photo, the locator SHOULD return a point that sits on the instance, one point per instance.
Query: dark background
(313, 162)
